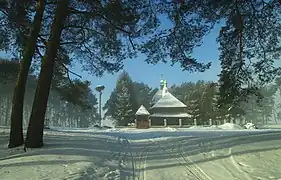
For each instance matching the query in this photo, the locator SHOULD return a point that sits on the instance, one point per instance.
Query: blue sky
(151, 74)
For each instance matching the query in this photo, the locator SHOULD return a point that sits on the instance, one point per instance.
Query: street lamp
(100, 88)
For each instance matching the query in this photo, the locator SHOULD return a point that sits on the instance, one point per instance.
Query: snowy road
(148, 155)
(204, 158)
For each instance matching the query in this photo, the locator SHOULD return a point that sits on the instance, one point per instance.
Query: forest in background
(50, 36)
(201, 98)
(69, 105)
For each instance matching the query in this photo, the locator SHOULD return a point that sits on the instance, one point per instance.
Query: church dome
(160, 93)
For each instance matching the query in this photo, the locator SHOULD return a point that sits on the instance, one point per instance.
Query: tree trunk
(34, 137)
(16, 134)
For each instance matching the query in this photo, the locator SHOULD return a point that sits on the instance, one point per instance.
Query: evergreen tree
(70, 104)
(110, 105)
(124, 100)
(19, 20)
(141, 95)
(249, 45)
(208, 102)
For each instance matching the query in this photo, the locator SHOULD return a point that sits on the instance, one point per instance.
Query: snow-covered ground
(200, 153)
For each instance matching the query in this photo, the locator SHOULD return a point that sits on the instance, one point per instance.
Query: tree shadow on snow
(210, 159)
(108, 149)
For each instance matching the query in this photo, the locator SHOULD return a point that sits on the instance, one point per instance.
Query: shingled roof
(168, 100)
(156, 97)
(142, 111)
(178, 115)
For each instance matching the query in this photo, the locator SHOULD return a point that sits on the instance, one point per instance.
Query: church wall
(157, 121)
(168, 110)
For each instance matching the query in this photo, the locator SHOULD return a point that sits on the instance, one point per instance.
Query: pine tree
(124, 113)
(208, 102)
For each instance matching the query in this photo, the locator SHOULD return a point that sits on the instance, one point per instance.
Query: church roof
(156, 97)
(142, 111)
(168, 100)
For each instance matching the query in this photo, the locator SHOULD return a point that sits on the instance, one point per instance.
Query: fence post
(180, 122)
(210, 122)
(195, 122)
(165, 122)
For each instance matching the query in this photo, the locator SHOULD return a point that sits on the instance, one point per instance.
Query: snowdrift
(230, 126)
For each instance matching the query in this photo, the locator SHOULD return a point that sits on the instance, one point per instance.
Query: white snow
(230, 126)
(201, 153)
(142, 111)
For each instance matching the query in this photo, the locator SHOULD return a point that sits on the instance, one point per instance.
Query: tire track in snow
(125, 158)
(229, 163)
(128, 145)
(142, 165)
(182, 160)
(234, 163)
(196, 170)
(143, 160)
(200, 173)
(138, 162)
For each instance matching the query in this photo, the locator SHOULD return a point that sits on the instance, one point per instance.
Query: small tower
(159, 93)
(142, 118)
(162, 82)
(165, 88)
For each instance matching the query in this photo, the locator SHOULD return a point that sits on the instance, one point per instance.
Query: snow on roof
(179, 115)
(168, 100)
(142, 111)
(157, 96)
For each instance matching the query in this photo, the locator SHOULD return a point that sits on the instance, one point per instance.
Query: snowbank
(230, 126)
(214, 127)
(226, 126)
(171, 129)
(270, 126)
(4, 129)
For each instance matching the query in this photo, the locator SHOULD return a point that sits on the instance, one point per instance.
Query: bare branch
(15, 22)
(84, 28)
(75, 11)
(130, 39)
(120, 29)
(69, 71)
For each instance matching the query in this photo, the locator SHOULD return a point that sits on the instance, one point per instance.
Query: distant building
(166, 106)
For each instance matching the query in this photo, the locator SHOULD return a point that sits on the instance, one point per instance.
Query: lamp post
(100, 88)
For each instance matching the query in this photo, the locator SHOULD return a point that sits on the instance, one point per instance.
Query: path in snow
(147, 155)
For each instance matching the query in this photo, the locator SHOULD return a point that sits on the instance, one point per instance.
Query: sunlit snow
(201, 153)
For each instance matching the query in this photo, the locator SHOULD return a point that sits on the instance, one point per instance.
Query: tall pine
(125, 106)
